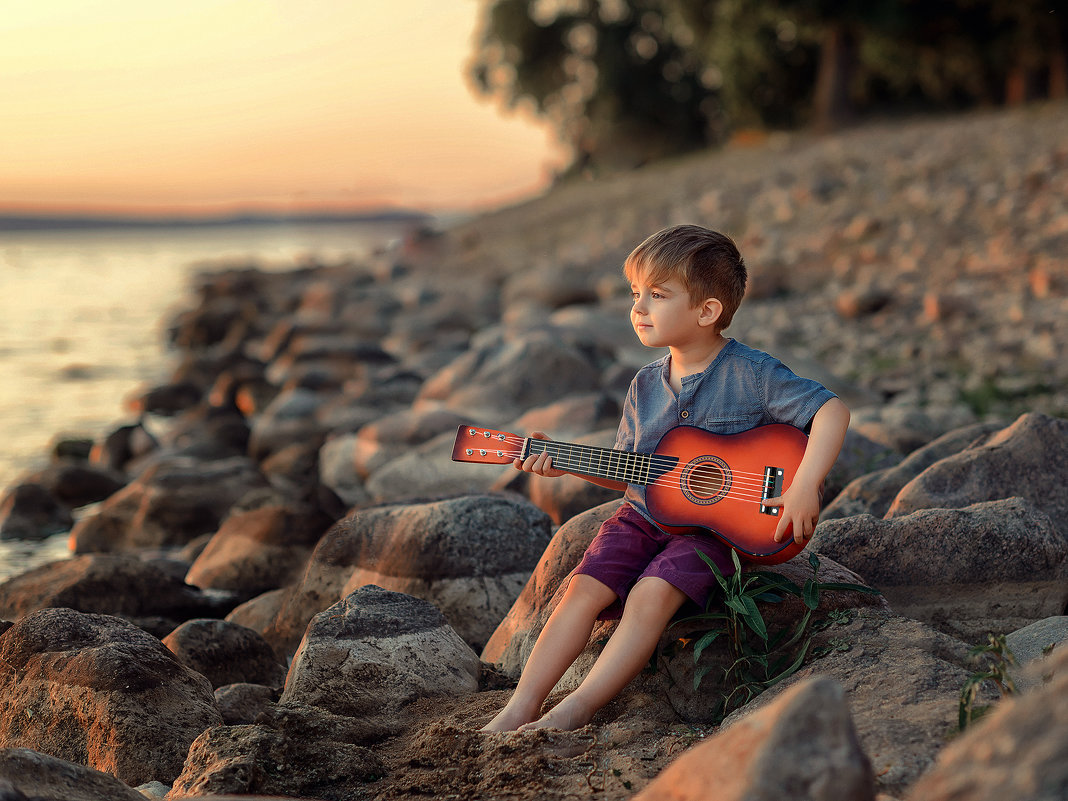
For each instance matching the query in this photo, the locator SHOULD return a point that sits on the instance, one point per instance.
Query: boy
(686, 284)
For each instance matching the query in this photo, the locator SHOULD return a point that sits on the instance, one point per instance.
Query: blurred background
(143, 140)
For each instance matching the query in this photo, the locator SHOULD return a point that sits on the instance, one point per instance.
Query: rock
(874, 492)
(110, 584)
(1032, 646)
(859, 457)
(810, 723)
(169, 504)
(376, 651)
(295, 752)
(123, 445)
(903, 681)
(1017, 751)
(345, 461)
(243, 703)
(29, 511)
(167, 399)
(905, 428)
(469, 556)
(98, 691)
(1028, 459)
(33, 776)
(78, 484)
(428, 471)
(502, 379)
(258, 550)
(225, 653)
(992, 566)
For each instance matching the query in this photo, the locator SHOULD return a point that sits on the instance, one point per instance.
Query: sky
(216, 105)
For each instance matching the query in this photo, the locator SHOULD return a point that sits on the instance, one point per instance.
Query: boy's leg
(561, 641)
(649, 608)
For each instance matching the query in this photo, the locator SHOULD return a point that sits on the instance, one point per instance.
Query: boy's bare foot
(568, 715)
(508, 719)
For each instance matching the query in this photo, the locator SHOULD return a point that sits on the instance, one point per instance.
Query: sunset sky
(203, 105)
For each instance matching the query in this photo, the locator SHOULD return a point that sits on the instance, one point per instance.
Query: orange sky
(216, 104)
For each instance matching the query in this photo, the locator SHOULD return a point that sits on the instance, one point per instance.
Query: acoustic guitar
(694, 479)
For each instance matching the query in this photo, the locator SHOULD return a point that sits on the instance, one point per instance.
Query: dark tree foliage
(625, 81)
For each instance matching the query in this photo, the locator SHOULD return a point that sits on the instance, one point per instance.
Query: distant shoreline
(78, 222)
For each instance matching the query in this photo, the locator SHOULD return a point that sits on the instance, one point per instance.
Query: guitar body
(694, 479)
(718, 482)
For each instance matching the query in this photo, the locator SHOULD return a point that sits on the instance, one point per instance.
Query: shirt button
(684, 414)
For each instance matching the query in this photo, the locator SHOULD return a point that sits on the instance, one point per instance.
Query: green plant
(759, 658)
(999, 661)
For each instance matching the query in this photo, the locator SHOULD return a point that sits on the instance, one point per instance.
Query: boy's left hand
(800, 508)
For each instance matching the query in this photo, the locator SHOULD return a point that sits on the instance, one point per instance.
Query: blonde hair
(706, 262)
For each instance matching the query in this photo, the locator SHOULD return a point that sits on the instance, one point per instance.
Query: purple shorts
(628, 548)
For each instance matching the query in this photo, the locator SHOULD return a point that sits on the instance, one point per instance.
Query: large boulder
(993, 566)
(1018, 751)
(1028, 459)
(500, 379)
(470, 556)
(33, 776)
(374, 652)
(802, 747)
(225, 653)
(291, 752)
(169, 504)
(258, 550)
(28, 511)
(111, 584)
(96, 690)
(873, 491)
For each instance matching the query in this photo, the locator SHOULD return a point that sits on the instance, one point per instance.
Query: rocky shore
(281, 585)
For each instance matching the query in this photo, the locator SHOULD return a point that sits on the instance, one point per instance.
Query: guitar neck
(588, 460)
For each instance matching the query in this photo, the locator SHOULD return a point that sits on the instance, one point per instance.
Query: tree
(611, 77)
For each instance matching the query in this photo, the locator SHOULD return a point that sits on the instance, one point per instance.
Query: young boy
(686, 283)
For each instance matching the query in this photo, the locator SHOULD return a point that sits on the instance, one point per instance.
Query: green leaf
(704, 642)
(814, 561)
(754, 619)
(811, 595)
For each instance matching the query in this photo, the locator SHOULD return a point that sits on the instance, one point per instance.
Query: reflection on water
(82, 316)
(18, 556)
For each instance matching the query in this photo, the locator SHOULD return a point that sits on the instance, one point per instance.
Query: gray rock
(990, 567)
(376, 651)
(225, 653)
(32, 776)
(169, 504)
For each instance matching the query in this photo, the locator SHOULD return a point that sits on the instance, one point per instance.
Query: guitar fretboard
(588, 460)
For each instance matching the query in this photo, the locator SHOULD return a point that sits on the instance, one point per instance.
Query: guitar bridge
(773, 477)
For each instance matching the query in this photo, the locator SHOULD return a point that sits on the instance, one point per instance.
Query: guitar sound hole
(706, 480)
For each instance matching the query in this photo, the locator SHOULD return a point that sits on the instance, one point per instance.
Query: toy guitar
(694, 478)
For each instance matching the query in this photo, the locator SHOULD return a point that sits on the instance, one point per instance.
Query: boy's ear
(710, 311)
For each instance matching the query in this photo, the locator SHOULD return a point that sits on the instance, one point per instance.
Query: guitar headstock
(485, 446)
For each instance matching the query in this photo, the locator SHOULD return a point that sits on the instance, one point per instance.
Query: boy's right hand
(541, 463)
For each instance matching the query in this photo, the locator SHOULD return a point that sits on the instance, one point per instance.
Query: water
(82, 316)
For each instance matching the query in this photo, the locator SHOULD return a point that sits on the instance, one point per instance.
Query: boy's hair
(707, 262)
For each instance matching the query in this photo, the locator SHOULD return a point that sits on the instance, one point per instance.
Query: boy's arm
(542, 465)
(801, 501)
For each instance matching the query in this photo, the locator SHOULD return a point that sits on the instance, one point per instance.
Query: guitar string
(656, 461)
(743, 490)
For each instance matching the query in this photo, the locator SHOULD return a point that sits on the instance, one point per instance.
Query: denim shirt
(741, 388)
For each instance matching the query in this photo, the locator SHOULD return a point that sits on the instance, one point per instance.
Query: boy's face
(663, 317)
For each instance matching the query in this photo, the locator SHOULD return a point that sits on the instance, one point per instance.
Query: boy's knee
(587, 589)
(655, 595)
